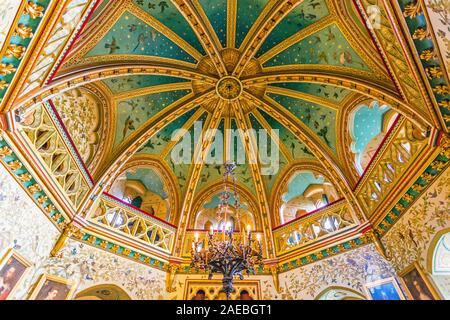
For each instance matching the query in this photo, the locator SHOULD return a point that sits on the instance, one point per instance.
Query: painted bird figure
(113, 47)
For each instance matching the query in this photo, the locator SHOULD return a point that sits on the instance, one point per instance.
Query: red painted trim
(138, 209)
(50, 80)
(3, 122)
(439, 138)
(308, 214)
(378, 151)
(50, 102)
(202, 230)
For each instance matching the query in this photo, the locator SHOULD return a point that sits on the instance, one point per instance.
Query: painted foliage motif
(410, 238)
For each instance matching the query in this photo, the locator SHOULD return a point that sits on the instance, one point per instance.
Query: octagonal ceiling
(299, 67)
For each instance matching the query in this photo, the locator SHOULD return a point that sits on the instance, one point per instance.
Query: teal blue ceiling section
(216, 11)
(320, 120)
(213, 171)
(277, 162)
(181, 168)
(301, 17)
(326, 47)
(247, 13)
(243, 171)
(159, 142)
(298, 185)
(131, 114)
(150, 179)
(297, 149)
(128, 83)
(368, 122)
(132, 36)
(332, 93)
(170, 16)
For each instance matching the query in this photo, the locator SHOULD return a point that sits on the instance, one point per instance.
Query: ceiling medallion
(229, 88)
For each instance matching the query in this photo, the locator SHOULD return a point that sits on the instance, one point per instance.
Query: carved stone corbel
(69, 231)
(170, 277)
(275, 277)
(378, 244)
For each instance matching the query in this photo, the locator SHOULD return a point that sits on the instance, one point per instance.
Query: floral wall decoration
(412, 236)
(351, 270)
(23, 226)
(439, 11)
(26, 229)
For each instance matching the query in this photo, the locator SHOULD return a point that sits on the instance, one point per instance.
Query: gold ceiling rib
(261, 30)
(268, 128)
(196, 168)
(316, 146)
(231, 23)
(93, 29)
(353, 83)
(356, 36)
(304, 96)
(158, 26)
(296, 38)
(179, 134)
(149, 129)
(206, 35)
(254, 163)
(152, 90)
(84, 75)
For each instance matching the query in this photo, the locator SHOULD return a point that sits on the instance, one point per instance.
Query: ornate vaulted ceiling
(204, 41)
(351, 114)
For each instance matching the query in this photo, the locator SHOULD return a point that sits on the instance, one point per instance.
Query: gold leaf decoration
(23, 31)
(413, 10)
(6, 69)
(3, 85)
(15, 51)
(26, 177)
(34, 188)
(5, 151)
(34, 10)
(15, 165)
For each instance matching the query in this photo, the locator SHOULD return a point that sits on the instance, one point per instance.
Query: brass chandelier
(228, 251)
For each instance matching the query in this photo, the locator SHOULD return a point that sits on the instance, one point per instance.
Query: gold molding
(200, 153)
(197, 19)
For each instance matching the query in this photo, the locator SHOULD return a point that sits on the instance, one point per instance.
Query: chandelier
(228, 251)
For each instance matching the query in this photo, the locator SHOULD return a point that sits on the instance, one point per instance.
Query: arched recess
(208, 192)
(339, 293)
(438, 261)
(284, 179)
(87, 114)
(361, 138)
(131, 180)
(343, 136)
(103, 292)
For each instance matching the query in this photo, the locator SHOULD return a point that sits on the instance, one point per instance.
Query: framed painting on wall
(50, 287)
(13, 269)
(385, 289)
(418, 284)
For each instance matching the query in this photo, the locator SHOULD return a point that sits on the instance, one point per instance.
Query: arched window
(143, 188)
(440, 265)
(339, 293)
(305, 192)
(369, 124)
(103, 292)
